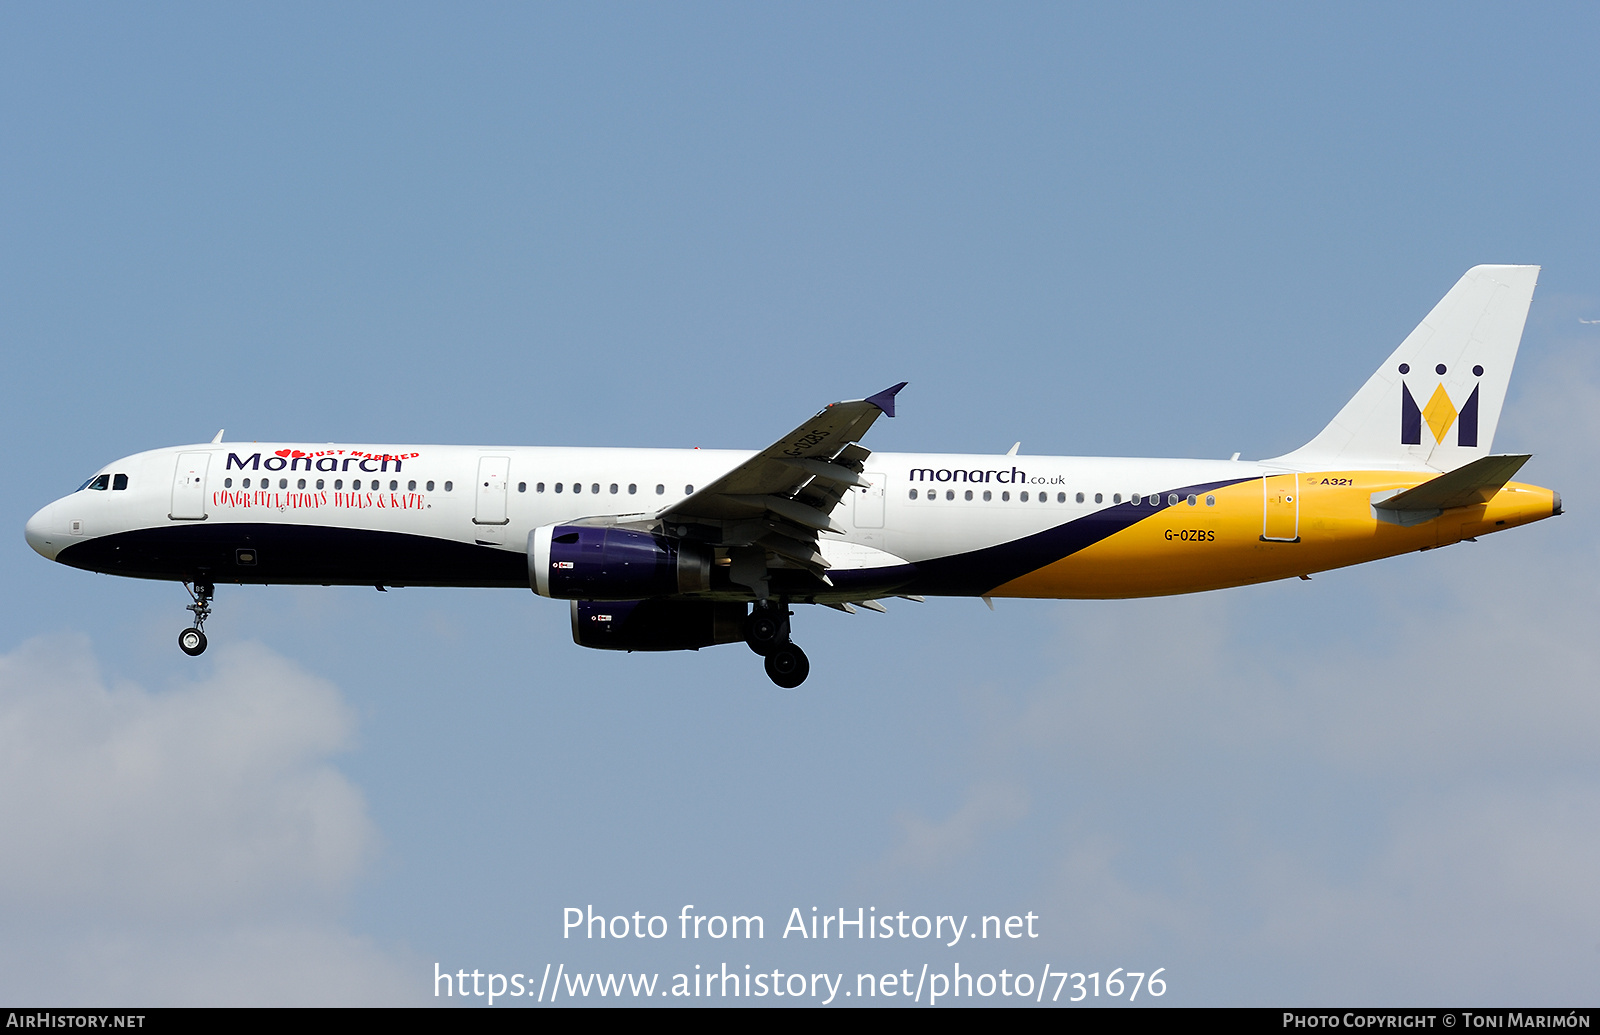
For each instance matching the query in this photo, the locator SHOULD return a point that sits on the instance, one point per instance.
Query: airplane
(678, 549)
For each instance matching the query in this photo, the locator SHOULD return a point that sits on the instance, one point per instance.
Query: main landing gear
(767, 633)
(192, 641)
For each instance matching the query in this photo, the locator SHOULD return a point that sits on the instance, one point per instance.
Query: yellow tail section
(1268, 528)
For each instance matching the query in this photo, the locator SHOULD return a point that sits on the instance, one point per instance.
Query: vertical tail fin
(1436, 400)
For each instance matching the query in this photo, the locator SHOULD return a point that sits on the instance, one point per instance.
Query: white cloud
(989, 805)
(185, 846)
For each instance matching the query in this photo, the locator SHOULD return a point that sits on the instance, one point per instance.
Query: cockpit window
(119, 481)
(99, 481)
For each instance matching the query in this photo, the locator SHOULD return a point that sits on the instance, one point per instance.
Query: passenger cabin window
(688, 490)
(913, 493)
(430, 486)
(613, 488)
(632, 488)
(301, 484)
(321, 483)
(595, 488)
(577, 486)
(558, 486)
(987, 495)
(538, 487)
(447, 486)
(660, 489)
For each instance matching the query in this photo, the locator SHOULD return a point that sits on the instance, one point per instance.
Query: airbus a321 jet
(678, 549)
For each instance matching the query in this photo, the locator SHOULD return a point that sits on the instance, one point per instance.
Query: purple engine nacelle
(586, 562)
(656, 624)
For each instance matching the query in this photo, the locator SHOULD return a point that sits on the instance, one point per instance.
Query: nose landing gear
(192, 641)
(766, 631)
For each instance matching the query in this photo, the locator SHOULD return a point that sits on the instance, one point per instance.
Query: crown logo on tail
(1440, 414)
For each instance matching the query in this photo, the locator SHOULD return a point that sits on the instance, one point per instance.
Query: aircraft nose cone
(38, 533)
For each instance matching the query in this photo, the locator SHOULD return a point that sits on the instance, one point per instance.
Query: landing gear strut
(192, 641)
(767, 633)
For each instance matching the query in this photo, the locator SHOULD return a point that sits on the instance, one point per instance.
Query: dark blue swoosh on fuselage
(976, 573)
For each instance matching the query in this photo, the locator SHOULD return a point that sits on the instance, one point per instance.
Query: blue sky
(1155, 231)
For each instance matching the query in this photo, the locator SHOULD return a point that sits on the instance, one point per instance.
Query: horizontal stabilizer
(1475, 483)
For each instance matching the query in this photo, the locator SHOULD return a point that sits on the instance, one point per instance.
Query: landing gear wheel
(192, 642)
(788, 666)
(766, 629)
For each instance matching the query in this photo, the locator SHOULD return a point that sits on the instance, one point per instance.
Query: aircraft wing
(783, 496)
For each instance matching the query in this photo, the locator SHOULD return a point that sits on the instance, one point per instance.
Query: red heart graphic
(297, 453)
(283, 452)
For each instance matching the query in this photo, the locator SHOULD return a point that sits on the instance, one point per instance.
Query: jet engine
(587, 562)
(656, 624)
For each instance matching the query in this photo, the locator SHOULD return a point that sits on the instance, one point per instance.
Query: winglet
(219, 435)
(884, 400)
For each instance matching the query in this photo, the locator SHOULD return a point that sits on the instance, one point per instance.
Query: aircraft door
(1280, 508)
(491, 491)
(869, 501)
(189, 487)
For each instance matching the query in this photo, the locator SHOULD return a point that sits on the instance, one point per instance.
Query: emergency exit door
(491, 490)
(189, 487)
(869, 501)
(1280, 508)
